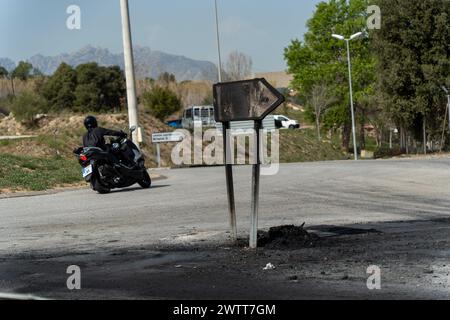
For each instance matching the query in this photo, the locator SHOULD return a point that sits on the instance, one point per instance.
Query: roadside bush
(5, 105)
(385, 152)
(162, 102)
(26, 106)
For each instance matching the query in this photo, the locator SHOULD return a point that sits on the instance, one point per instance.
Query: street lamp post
(339, 37)
(448, 103)
(219, 62)
(226, 144)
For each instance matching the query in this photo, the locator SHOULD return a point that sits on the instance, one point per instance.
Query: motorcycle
(121, 166)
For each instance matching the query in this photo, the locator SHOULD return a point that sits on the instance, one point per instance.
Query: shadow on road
(139, 188)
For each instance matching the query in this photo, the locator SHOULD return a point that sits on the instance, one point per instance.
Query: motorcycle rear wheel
(97, 186)
(146, 182)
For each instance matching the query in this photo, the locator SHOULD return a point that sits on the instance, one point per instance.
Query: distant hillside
(148, 63)
(277, 79)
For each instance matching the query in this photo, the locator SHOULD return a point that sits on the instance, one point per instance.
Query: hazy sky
(259, 28)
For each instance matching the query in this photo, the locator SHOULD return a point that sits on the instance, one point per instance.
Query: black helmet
(90, 122)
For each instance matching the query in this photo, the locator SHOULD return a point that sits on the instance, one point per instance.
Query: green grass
(36, 174)
(60, 142)
(5, 143)
(303, 146)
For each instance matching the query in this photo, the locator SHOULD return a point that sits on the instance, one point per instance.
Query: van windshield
(196, 113)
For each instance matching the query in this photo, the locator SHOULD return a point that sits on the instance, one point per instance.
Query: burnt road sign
(245, 100)
(241, 101)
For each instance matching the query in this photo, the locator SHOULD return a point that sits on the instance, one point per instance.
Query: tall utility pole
(129, 69)
(219, 55)
(339, 37)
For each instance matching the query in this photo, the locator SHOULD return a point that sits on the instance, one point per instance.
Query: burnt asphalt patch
(286, 237)
(413, 258)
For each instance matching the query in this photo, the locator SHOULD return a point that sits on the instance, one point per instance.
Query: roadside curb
(23, 194)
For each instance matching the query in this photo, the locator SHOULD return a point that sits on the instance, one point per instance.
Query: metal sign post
(158, 155)
(242, 101)
(229, 180)
(256, 170)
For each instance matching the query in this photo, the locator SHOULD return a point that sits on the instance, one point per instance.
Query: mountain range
(148, 63)
(8, 64)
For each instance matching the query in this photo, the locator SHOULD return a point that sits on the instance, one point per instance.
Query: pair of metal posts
(256, 172)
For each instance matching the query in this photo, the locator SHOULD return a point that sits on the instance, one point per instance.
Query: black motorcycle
(120, 166)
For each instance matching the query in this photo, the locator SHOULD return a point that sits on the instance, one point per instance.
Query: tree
(113, 87)
(98, 88)
(36, 72)
(23, 71)
(413, 62)
(320, 59)
(3, 73)
(320, 99)
(60, 87)
(167, 78)
(238, 66)
(161, 101)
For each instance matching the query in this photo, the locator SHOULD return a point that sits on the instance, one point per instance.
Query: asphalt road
(133, 234)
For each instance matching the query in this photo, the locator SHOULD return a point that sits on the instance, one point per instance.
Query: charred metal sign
(245, 100)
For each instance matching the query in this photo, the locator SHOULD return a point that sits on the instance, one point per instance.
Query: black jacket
(96, 137)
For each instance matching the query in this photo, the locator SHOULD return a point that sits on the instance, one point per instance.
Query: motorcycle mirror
(133, 128)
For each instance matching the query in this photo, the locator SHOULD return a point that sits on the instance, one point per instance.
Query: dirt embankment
(60, 134)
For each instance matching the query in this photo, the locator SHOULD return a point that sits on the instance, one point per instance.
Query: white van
(198, 116)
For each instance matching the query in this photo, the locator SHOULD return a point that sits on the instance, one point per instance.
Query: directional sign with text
(166, 137)
(245, 100)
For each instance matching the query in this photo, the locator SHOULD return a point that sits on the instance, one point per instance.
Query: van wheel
(146, 181)
(291, 127)
(97, 186)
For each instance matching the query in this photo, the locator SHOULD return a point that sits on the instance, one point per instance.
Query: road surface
(171, 241)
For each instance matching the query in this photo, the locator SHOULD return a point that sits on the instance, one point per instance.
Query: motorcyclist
(95, 135)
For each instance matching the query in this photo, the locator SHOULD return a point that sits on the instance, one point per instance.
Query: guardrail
(17, 137)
